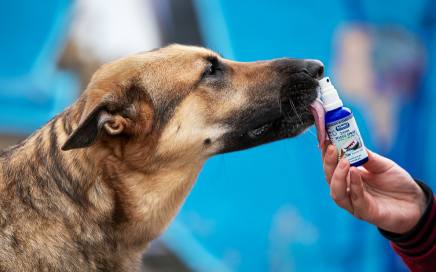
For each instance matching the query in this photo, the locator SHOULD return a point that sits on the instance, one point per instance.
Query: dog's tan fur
(133, 145)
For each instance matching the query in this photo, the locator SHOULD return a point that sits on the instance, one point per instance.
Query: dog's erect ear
(97, 122)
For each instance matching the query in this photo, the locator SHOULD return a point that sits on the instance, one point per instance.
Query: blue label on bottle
(342, 126)
(345, 135)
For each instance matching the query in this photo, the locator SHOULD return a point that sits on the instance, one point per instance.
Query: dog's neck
(133, 205)
(152, 200)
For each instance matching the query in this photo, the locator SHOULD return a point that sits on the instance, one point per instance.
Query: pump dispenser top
(329, 95)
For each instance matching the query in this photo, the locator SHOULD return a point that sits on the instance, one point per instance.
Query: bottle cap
(329, 95)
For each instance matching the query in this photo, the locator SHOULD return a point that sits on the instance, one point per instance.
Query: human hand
(380, 192)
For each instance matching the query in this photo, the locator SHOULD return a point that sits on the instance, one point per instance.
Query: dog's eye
(213, 69)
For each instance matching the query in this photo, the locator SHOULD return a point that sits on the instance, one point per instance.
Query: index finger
(330, 161)
(324, 149)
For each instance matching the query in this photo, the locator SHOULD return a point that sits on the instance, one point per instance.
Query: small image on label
(352, 144)
(345, 135)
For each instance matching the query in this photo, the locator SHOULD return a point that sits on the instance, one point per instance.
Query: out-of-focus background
(268, 208)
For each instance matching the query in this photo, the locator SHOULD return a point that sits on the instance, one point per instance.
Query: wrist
(400, 223)
(424, 197)
(416, 239)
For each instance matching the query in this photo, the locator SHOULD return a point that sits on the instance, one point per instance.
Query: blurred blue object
(32, 90)
(268, 209)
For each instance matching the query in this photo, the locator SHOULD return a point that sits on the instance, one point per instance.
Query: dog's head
(182, 101)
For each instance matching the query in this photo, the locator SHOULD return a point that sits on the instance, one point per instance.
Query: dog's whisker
(285, 113)
(295, 111)
(289, 118)
(299, 118)
(312, 133)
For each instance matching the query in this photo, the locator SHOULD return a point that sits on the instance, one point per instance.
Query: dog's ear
(93, 125)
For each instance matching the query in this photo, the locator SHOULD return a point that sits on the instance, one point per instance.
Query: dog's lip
(275, 124)
(263, 127)
(259, 131)
(282, 120)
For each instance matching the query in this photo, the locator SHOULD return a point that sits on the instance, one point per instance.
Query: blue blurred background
(268, 208)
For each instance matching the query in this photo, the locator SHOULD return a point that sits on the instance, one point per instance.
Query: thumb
(377, 163)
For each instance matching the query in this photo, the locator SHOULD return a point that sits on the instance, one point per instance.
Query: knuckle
(333, 158)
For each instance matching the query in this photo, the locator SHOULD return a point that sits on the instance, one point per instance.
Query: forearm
(417, 247)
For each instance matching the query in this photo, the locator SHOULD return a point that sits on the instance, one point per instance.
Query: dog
(90, 189)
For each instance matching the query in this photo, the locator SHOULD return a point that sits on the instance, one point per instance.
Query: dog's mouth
(294, 114)
(273, 123)
(260, 131)
(287, 125)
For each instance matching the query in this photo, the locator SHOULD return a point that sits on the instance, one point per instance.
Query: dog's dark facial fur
(89, 190)
(279, 106)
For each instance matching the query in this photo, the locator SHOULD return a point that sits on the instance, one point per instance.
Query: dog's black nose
(314, 68)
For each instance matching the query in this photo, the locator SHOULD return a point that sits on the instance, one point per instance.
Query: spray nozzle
(328, 95)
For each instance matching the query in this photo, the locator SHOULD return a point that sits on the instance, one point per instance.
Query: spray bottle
(341, 126)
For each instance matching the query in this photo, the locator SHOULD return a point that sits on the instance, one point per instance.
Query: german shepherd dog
(90, 189)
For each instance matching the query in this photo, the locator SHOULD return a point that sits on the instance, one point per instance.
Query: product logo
(342, 126)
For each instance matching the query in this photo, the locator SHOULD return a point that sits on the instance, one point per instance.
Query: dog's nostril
(315, 68)
(320, 73)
